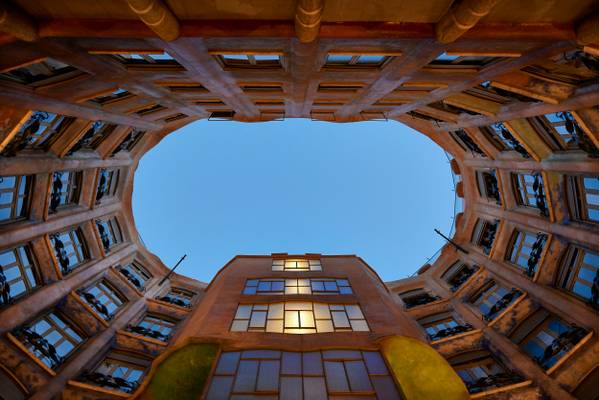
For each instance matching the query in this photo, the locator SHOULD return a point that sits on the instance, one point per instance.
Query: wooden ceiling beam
(18, 24)
(462, 17)
(308, 14)
(587, 31)
(157, 17)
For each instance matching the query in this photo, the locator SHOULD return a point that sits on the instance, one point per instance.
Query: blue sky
(216, 189)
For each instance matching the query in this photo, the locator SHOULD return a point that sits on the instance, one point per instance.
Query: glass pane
(336, 379)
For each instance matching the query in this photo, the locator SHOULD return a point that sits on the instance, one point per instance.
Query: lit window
(297, 286)
(15, 192)
(296, 265)
(110, 232)
(37, 132)
(492, 298)
(129, 142)
(453, 60)
(69, 249)
(579, 274)
(97, 132)
(18, 274)
(241, 60)
(483, 234)
(299, 318)
(583, 197)
(50, 338)
(525, 250)
(442, 325)
(136, 274)
(302, 376)
(356, 61)
(503, 139)
(40, 73)
(149, 58)
(480, 371)
(458, 274)
(179, 297)
(155, 327)
(66, 186)
(107, 183)
(120, 371)
(119, 94)
(103, 299)
(417, 297)
(530, 191)
(547, 338)
(488, 187)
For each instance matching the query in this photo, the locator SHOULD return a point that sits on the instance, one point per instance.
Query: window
(297, 286)
(442, 325)
(174, 117)
(107, 183)
(66, 187)
(308, 375)
(179, 297)
(50, 338)
(69, 249)
(525, 250)
(340, 87)
(186, 87)
(562, 132)
(110, 232)
(466, 142)
(458, 274)
(153, 326)
(296, 265)
(583, 197)
(480, 371)
(136, 274)
(579, 274)
(18, 274)
(37, 132)
(488, 187)
(260, 87)
(356, 61)
(503, 139)
(546, 338)
(150, 109)
(261, 60)
(483, 235)
(15, 195)
(103, 299)
(93, 136)
(129, 142)
(492, 298)
(417, 297)
(145, 59)
(299, 318)
(41, 73)
(119, 370)
(112, 97)
(455, 60)
(530, 191)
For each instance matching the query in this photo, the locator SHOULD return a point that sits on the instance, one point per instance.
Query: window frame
(24, 184)
(19, 252)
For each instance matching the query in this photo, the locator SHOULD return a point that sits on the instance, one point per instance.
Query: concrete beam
(307, 19)
(17, 23)
(461, 17)
(157, 16)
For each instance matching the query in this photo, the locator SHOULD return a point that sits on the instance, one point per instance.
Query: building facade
(508, 89)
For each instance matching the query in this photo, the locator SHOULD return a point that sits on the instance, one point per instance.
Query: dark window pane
(292, 364)
(291, 388)
(246, 376)
(220, 388)
(375, 363)
(341, 354)
(315, 389)
(227, 363)
(261, 354)
(268, 376)
(385, 388)
(357, 376)
(312, 364)
(336, 380)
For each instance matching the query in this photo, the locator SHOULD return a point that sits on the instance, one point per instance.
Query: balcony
(561, 344)
(448, 332)
(502, 304)
(493, 381)
(109, 381)
(143, 331)
(535, 254)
